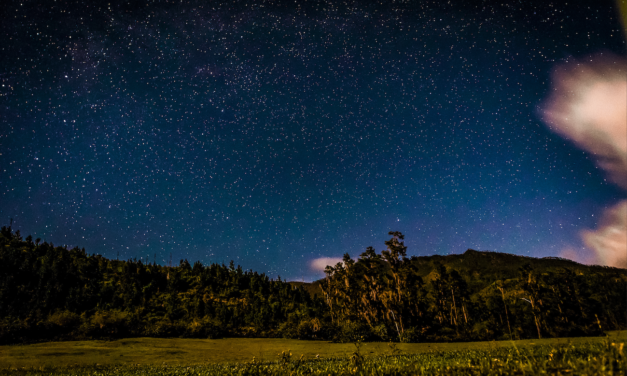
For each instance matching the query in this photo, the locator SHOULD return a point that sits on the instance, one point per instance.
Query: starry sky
(274, 133)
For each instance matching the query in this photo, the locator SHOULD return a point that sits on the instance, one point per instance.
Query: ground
(177, 351)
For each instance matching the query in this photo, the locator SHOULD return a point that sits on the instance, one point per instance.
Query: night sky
(275, 133)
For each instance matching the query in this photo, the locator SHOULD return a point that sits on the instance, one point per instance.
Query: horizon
(286, 136)
(302, 280)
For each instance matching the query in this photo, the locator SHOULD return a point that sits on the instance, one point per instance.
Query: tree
(533, 293)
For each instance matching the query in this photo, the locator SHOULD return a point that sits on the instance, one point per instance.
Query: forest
(51, 292)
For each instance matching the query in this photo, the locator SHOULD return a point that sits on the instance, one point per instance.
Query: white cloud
(321, 263)
(588, 105)
(609, 241)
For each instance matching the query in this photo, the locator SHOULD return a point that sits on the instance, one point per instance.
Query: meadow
(239, 356)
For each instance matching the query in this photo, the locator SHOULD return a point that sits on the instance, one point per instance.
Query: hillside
(502, 265)
(483, 268)
(473, 295)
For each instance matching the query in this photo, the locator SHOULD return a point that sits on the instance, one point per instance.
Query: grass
(148, 356)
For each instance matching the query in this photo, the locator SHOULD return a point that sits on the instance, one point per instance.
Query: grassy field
(188, 352)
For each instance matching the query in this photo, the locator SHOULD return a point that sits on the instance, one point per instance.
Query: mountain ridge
(475, 260)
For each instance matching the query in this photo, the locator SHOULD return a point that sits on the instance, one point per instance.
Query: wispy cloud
(609, 241)
(319, 264)
(588, 105)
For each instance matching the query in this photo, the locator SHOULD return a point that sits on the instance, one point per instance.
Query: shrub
(353, 332)
(382, 332)
(482, 332)
(289, 329)
(13, 330)
(205, 327)
(112, 323)
(312, 329)
(411, 335)
(60, 324)
(308, 329)
(165, 328)
(65, 319)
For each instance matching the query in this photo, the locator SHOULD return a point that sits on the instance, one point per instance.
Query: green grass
(150, 356)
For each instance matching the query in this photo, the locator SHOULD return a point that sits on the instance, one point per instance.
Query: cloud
(321, 263)
(609, 241)
(584, 257)
(588, 105)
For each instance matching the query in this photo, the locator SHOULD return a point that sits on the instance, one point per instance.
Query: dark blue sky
(275, 133)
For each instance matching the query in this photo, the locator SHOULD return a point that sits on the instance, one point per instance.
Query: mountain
(475, 295)
(488, 267)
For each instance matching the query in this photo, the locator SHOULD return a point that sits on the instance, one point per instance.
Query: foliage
(49, 292)
(55, 293)
(388, 296)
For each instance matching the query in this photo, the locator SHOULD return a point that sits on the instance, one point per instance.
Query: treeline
(384, 296)
(49, 292)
